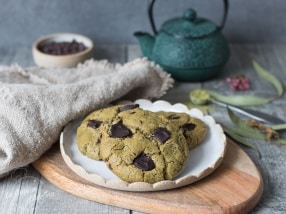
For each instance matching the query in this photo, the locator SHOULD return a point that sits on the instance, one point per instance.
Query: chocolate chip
(128, 107)
(94, 123)
(161, 134)
(144, 162)
(97, 142)
(118, 130)
(109, 166)
(188, 126)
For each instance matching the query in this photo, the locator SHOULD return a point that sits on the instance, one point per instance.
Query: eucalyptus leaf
(240, 139)
(243, 129)
(236, 120)
(253, 134)
(266, 75)
(281, 141)
(239, 100)
(278, 126)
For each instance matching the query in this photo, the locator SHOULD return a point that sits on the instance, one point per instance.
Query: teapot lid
(189, 26)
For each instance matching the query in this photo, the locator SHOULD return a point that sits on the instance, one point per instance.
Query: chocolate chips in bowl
(62, 50)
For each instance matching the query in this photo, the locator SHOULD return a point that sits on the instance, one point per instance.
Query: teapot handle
(151, 16)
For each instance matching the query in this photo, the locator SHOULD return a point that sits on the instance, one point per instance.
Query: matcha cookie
(139, 145)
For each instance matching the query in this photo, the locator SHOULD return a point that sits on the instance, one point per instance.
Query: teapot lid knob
(190, 14)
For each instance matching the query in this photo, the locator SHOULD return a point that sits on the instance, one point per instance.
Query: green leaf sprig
(278, 126)
(242, 140)
(239, 100)
(202, 96)
(241, 132)
(266, 75)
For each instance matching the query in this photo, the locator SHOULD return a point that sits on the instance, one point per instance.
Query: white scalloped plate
(203, 159)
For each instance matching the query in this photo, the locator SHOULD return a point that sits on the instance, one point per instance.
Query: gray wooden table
(26, 191)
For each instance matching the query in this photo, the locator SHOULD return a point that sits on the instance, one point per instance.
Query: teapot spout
(146, 42)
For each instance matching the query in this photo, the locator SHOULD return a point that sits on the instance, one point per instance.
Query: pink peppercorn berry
(239, 83)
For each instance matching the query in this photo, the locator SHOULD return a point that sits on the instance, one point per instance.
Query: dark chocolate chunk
(118, 130)
(128, 107)
(161, 134)
(188, 126)
(109, 166)
(144, 162)
(94, 123)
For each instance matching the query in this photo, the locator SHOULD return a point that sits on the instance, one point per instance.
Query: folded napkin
(36, 103)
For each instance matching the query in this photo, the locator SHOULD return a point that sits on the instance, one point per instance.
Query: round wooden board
(235, 187)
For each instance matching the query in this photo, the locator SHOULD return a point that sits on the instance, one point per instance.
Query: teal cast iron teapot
(190, 48)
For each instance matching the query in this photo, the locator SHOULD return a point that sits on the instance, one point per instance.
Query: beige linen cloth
(36, 103)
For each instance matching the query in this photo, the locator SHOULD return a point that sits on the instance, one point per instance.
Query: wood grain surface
(235, 187)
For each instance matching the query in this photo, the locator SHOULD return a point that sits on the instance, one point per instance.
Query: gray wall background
(115, 21)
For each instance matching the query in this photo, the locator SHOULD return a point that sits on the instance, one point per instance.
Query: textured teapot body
(176, 55)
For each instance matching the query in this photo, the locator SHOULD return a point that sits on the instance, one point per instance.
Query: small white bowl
(61, 61)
